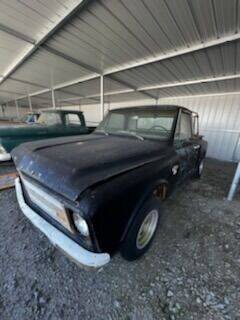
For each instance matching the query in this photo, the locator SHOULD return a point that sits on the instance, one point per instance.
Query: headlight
(81, 225)
(2, 150)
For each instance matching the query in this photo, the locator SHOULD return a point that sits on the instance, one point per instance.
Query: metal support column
(7, 110)
(3, 110)
(17, 108)
(102, 96)
(236, 148)
(235, 183)
(53, 99)
(30, 103)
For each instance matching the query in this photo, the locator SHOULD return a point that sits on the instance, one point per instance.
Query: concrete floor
(192, 270)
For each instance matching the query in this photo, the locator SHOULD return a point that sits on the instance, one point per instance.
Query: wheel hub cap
(147, 229)
(201, 167)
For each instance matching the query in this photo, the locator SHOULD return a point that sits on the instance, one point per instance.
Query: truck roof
(153, 107)
(61, 111)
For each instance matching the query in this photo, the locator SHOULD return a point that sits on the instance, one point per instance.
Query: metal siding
(5, 96)
(11, 49)
(10, 111)
(47, 69)
(223, 86)
(20, 88)
(211, 62)
(219, 122)
(33, 18)
(92, 87)
(128, 97)
(113, 33)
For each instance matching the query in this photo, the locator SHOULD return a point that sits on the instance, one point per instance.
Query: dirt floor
(192, 270)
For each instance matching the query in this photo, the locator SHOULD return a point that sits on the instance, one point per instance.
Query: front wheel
(142, 230)
(199, 170)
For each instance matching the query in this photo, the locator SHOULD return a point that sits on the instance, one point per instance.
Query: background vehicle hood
(20, 129)
(71, 165)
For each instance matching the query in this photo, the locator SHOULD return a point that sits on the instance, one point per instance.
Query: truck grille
(47, 203)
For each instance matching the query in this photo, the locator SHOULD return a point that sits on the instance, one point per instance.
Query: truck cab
(51, 123)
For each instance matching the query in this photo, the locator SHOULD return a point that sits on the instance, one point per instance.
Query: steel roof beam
(70, 93)
(91, 69)
(199, 81)
(156, 59)
(128, 90)
(114, 70)
(216, 94)
(176, 53)
(36, 93)
(57, 87)
(190, 82)
(92, 96)
(45, 89)
(16, 34)
(126, 84)
(10, 92)
(75, 81)
(80, 97)
(60, 24)
(71, 59)
(27, 82)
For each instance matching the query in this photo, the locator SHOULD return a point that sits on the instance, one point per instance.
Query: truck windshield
(49, 118)
(156, 124)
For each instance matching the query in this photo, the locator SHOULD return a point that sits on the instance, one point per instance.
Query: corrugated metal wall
(219, 123)
(10, 112)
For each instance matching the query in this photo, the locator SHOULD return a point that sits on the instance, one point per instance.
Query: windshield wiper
(131, 134)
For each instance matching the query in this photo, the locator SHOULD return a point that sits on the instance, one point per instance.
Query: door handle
(196, 147)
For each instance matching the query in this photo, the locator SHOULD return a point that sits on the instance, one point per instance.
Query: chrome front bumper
(73, 250)
(5, 157)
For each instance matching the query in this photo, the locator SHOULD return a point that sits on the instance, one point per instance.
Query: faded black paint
(107, 178)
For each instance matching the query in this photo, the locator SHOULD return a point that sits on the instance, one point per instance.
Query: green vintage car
(50, 124)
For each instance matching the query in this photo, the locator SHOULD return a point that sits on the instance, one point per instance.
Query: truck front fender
(151, 191)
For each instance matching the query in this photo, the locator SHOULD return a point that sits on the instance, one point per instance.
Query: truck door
(74, 124)
(196, 139)
(184, 145)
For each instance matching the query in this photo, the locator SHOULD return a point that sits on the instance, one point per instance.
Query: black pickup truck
(94, 194)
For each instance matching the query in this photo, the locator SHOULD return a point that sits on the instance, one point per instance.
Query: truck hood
(71, 165)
